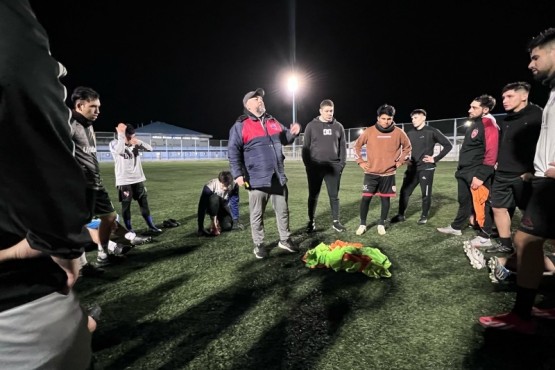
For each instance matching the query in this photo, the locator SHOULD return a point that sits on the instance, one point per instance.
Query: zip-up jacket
(478, 153)
(128, 166)
(385, 150)
(324, 143)
(255, 149)
(85, 149)
(423, 142)
(517, 140)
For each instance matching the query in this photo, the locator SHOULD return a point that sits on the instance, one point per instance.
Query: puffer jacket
(255, 149)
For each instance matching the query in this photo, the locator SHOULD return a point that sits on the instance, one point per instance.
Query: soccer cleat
(422, 220)
(475, 257)
(154, 230)
(120, 249)
(338, 227)
(90, 270)
(381, 229)
(480, 242)
(361, 230)
(449, 230)
(139, 240)
(508, 321)
(544, 313)
(310, 227)
(397, 218)
(259, 251)
(288, 245)
(500, 248)
(498, 272)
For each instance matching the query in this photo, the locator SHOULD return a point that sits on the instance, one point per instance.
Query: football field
(189, 302)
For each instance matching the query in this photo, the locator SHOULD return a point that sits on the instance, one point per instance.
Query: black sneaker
(260, 251)
(154, 231)
(288, 245)
(90, 270)
(397, 218)
(311, 227)
(338, 227)
(109, 260)
(500, 248)
(422, 220)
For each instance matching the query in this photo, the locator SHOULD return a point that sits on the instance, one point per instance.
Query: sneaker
(500, 248)
(104, 259)
(338, 227)
(361, 230)
(90, 270)
(508, 321)
(381, 229)
(259, 251)
(120, 249)
(498, 272)
(310, 227)
(397, 218)
(288, 245)
(544, 313)
(139, 240)
(449, 230)
(422, 220)
(475, 257)
(480, 242)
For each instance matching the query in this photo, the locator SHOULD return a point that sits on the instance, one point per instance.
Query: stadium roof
(167, 129)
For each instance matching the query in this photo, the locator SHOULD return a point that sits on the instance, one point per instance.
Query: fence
(166, 147)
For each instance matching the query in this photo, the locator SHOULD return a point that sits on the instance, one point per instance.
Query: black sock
(525, 298)
(506, 242)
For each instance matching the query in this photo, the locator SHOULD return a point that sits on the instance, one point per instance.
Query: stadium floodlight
(292, 87)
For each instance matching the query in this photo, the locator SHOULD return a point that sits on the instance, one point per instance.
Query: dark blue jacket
(255, 149)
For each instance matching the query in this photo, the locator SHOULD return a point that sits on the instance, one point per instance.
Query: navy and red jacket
(255, 149)
(478, 153)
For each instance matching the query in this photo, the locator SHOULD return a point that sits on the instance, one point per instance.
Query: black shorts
(383, 186)
(509, 192)
(133, 191)
(539, 217)
(100, 202)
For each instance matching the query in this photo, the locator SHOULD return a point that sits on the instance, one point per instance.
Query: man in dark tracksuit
(324, 155)
(43, 205)
(520, 130)
(422, 165)
(477, 159)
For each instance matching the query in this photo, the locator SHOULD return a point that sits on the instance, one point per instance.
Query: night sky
(190, 63)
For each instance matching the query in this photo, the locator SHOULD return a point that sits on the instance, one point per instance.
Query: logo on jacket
(327, 131)
(474, 133)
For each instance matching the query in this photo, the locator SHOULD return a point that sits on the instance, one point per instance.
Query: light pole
(292, 86)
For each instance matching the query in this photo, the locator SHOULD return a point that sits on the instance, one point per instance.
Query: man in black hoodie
(324, 155)
(519, 134)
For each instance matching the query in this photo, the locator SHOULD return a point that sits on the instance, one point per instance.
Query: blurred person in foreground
(539, 217)
(256, 158)
(324, 156)
(422, 164)
(43, 205)
(387, 148)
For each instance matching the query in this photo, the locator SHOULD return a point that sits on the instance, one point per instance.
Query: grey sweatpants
(49, 333)
(258, 199)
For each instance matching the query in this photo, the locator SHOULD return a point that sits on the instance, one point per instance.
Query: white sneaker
(361, 230)
(381, 229)
(449, 230)
(480, 242)
(475, 257)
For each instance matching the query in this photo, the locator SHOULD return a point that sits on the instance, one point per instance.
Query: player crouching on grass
(220, 199)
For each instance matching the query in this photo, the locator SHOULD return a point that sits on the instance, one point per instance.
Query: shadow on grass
(310, 321)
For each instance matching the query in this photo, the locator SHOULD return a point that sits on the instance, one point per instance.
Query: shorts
(382, 186)
(126, 193)
(99, 202)
(539, 217)
(509, 192)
